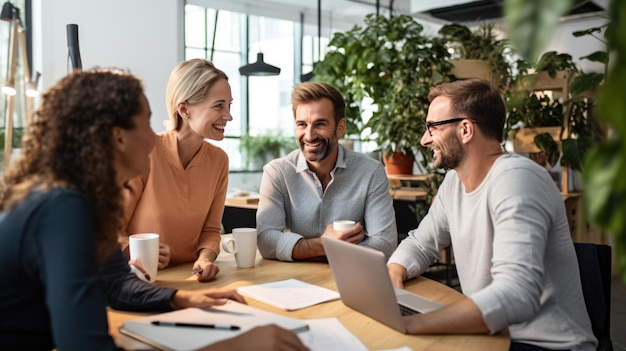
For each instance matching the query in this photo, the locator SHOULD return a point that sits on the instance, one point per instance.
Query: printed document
(290, 294)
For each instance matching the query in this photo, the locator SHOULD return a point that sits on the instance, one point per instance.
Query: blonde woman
(182, 199)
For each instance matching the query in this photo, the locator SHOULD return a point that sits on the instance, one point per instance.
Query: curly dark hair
(70, 144)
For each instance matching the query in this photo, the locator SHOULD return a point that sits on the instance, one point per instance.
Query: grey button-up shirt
(291, 196)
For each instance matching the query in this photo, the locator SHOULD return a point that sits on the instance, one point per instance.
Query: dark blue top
(124, 291)
(50, 293)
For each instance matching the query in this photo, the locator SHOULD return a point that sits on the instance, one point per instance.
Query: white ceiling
(343, 14)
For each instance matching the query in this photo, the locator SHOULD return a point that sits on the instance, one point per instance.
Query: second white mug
(243, 245)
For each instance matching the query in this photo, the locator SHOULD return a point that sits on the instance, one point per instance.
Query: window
(261, 105)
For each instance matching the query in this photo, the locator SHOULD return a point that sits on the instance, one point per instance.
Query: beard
(328, 145)
(450, 153)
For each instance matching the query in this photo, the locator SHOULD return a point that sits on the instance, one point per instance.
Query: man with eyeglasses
(506, 221)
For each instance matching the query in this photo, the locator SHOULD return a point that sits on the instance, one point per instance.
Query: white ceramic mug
(144, 248)
(243, 245)
(343, 224)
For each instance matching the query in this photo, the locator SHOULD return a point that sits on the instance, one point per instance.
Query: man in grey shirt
(506, 221)
(302, 193)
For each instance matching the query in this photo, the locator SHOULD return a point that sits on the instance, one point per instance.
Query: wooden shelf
(408, 194)
(542, 81)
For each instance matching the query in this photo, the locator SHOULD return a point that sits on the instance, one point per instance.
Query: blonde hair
(189, 82)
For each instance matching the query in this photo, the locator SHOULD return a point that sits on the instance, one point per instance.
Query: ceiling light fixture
(259, 68)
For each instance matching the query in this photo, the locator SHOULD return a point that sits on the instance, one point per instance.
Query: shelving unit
(524, 138)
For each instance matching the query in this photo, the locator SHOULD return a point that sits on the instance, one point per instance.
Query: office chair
(594, 262)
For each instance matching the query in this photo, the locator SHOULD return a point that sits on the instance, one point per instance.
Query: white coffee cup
(343, 224)
(144, 248)
(243, 245)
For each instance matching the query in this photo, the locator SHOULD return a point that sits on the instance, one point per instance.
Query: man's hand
(204, 298)
(164, 255)
(353, 235)
(398, 275)
(312, 248)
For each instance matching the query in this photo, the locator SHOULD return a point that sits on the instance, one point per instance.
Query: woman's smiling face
(209, 117)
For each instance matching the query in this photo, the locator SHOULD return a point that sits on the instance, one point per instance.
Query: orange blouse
(184, 206)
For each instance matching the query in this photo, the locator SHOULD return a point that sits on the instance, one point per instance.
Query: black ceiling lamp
(308, 76)
(8, 11)
(259, 68)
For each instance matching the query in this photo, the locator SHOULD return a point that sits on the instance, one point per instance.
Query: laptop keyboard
(406, 311)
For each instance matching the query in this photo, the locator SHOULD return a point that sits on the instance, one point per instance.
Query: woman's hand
(204, 298)
(204, 267)
(164, 255)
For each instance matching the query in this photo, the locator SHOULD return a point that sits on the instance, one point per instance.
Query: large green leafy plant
(530, 24)
(392, 64)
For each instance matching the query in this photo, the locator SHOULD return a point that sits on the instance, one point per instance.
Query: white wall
(143, 36)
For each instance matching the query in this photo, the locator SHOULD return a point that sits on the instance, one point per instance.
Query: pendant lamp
(259, 68)
(7, 12)
(308, 76)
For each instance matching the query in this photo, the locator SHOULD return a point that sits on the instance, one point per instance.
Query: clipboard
(170, 338)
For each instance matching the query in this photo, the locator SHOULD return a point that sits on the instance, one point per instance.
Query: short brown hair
(476, 99)
(311, 91)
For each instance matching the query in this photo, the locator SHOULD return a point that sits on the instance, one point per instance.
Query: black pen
(194, 325)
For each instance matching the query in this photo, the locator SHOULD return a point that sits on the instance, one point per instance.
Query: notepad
(290, 294)
(171, 338)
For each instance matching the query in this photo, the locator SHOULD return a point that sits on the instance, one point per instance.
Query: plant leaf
(549, 147)
(604, 188)
(598, 56)
(586, 82)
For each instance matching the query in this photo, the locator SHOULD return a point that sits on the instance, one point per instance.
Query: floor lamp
(8, 88)
(28, 89)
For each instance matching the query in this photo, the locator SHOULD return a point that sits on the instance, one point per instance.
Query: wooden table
(373, 334)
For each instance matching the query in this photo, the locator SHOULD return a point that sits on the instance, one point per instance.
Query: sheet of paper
(184, 338)
(328, 334)
(290, 294)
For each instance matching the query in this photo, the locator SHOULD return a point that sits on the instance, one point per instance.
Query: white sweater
(513, 253)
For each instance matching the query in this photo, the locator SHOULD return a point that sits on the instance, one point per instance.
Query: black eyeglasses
(440, 123)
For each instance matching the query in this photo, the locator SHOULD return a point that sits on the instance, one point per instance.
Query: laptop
(364, 285)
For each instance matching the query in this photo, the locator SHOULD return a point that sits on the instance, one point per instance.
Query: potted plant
(260, 149)
(562, 128)
(479, 53)
(392, 64)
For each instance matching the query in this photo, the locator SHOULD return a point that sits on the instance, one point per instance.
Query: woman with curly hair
(60, 210)
(182, 199)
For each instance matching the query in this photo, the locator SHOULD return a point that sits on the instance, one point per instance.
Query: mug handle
(226, 245)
